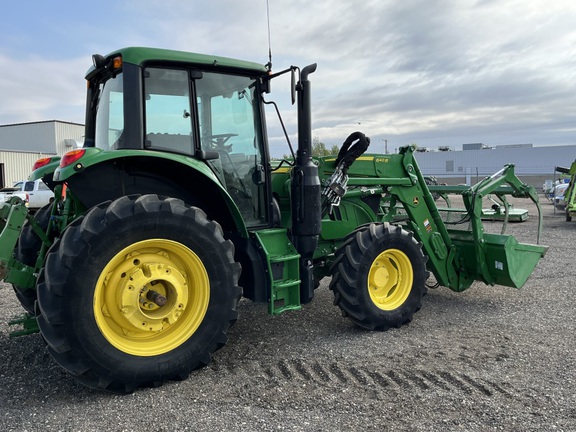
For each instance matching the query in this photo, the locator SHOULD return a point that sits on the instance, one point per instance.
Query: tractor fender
(93, 176)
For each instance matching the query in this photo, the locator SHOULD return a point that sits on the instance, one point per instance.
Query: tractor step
(282, 261)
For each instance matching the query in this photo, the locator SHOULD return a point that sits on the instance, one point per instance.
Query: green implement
(570, 192)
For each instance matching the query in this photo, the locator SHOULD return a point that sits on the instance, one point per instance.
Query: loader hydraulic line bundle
(174, 209)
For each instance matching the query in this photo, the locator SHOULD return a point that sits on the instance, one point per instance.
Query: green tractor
(172, 211)
(569, 193)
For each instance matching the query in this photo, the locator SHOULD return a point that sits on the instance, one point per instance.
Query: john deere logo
(415, 200)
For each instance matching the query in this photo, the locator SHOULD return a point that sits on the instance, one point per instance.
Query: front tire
(138, 291)
(379, 276)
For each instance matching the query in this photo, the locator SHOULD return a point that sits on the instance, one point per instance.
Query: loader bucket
(511, 263)
(506, 262)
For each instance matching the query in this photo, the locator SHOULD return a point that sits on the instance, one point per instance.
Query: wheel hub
(160, 279)
(381, 276)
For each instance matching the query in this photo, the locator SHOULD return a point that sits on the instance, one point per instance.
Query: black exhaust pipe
(306, 190)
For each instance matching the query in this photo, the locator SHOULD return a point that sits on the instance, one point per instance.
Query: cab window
(110, 114)
(167, 110)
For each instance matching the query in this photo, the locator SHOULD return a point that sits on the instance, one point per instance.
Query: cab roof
(141, 55)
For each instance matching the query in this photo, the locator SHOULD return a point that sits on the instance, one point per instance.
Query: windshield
(110, 113)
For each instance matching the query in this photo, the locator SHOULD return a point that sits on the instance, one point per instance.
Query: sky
(431, 73)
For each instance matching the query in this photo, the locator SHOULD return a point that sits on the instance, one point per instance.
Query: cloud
(434, 73)
(36, 89)
(417, 69)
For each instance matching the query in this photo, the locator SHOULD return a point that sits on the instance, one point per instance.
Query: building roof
(47, 137)
(40, 122)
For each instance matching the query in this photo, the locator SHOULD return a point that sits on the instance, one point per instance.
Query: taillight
(41, 162)
(71, 157)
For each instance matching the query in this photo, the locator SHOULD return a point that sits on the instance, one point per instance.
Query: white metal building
(532, 164)
(22, 144)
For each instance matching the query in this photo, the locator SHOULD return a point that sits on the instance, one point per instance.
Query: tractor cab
(199, 108)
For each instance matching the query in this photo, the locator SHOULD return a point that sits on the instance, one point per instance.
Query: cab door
(230, 124)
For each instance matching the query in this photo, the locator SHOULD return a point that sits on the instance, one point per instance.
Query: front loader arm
(457, 257)
(13, 214)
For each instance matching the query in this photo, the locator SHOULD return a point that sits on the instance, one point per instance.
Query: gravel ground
(490, 358)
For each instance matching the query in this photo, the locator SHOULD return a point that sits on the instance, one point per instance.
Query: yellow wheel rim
(390, 279)
(151, 297)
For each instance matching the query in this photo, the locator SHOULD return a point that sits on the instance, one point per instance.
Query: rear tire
(100, 312)
(26, 252)
(379, 276)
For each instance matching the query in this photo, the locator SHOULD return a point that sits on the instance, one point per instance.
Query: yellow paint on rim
(124, 297)
(390, 279)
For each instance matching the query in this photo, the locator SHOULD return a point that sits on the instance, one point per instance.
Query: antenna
(269, 65)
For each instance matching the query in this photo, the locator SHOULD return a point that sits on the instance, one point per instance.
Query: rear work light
(71, 157)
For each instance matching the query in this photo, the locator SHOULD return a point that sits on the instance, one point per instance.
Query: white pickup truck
(35, 193)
